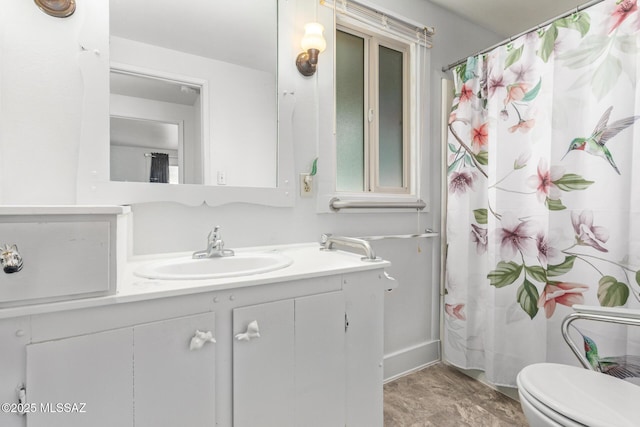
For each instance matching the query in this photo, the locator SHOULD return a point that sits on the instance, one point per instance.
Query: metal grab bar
(601, 314)
(328, 241)
(427, 233)
(336, 204)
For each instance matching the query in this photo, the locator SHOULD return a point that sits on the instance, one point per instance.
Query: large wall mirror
(194, 103)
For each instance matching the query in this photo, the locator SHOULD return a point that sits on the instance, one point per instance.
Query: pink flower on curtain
(543, 181)
(460, 182)
(455, 310)
(479, 137)
(479, 237)
(561, 293)
(495, 84)
(588, 234)
(516, 92)
(523, 125)
(466, 93)
(523, 72)
(622, 11)
(547, 254)
(516, 236)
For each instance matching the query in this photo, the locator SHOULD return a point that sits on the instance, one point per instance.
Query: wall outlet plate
(306, 185)
(221, 178)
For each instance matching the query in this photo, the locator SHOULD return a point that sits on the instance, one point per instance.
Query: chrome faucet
(327, 241)
(215, 246)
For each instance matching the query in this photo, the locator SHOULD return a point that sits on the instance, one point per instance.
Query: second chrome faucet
(215, 246)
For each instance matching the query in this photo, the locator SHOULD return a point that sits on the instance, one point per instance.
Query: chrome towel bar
(427, 233)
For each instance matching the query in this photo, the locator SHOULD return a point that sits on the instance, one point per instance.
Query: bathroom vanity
(299, 345)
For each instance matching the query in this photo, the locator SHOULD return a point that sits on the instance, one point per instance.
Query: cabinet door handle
(200, 338)
(252, 332)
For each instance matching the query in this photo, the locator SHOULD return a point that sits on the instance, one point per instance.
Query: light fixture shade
(313, 38)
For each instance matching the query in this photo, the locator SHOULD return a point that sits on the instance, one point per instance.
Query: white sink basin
(240, 264)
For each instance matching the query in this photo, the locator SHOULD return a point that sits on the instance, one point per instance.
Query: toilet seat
(570, 396)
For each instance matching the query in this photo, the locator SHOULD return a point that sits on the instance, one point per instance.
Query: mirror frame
(93, 181)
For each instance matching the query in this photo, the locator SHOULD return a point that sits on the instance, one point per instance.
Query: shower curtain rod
(512, 38)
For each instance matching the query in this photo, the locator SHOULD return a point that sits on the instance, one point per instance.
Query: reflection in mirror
(155, 130)
(231, 48)
(135, 144)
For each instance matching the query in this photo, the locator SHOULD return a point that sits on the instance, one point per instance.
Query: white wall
(41, 92)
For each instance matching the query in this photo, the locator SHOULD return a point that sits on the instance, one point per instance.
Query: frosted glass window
(350, 112)
(390, 127)
(372, 150)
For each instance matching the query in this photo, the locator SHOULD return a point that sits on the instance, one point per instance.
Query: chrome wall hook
(10, 259)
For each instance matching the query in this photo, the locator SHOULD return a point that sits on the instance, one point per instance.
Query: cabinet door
(320, 361)
(263, 386)
(93, 371)
(174, 386)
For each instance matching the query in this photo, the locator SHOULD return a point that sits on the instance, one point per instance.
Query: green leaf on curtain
(469, 73)
(480, 216)
(638, 277)
(513, 57)
(453, 165)
(482, 157)
(528, 298)
(590, 49)
(571, 182)
(452, 148)
(554, 205)
(462, 71)
(505, 274)
(612, 293)
(606, 76)
(529, 96)
(537, 273)
(560, 269)
(581, 81)
(467, 160)
(548, 42)
(627, 44)
(580, 21)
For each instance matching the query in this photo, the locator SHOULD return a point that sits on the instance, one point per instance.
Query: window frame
(372, 41)
(417, 116)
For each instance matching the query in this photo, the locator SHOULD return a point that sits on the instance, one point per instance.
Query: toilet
(560, 395)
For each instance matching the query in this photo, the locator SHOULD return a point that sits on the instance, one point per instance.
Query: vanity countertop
(308, 262)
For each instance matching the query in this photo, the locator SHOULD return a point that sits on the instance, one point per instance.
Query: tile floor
(442, 396)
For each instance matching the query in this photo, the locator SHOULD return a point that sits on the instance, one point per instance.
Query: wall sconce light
(313, 43)
(57, 8)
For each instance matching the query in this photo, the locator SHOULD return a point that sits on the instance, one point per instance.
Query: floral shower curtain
(543, 205)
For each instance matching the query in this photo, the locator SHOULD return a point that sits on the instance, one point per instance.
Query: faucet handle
(214, 234)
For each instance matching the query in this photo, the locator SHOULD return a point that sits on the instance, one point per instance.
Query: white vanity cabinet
(289, 362)
(301, 352)
(92, 371)
(174, 385)
(143, 376)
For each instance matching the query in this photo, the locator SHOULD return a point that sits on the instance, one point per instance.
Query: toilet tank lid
(587, 397)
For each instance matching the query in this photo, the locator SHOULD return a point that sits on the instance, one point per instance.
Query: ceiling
(509, 17)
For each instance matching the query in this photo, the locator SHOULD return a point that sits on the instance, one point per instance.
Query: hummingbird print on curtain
(603, 132)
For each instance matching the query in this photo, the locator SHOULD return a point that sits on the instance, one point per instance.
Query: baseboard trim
(410, 359)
